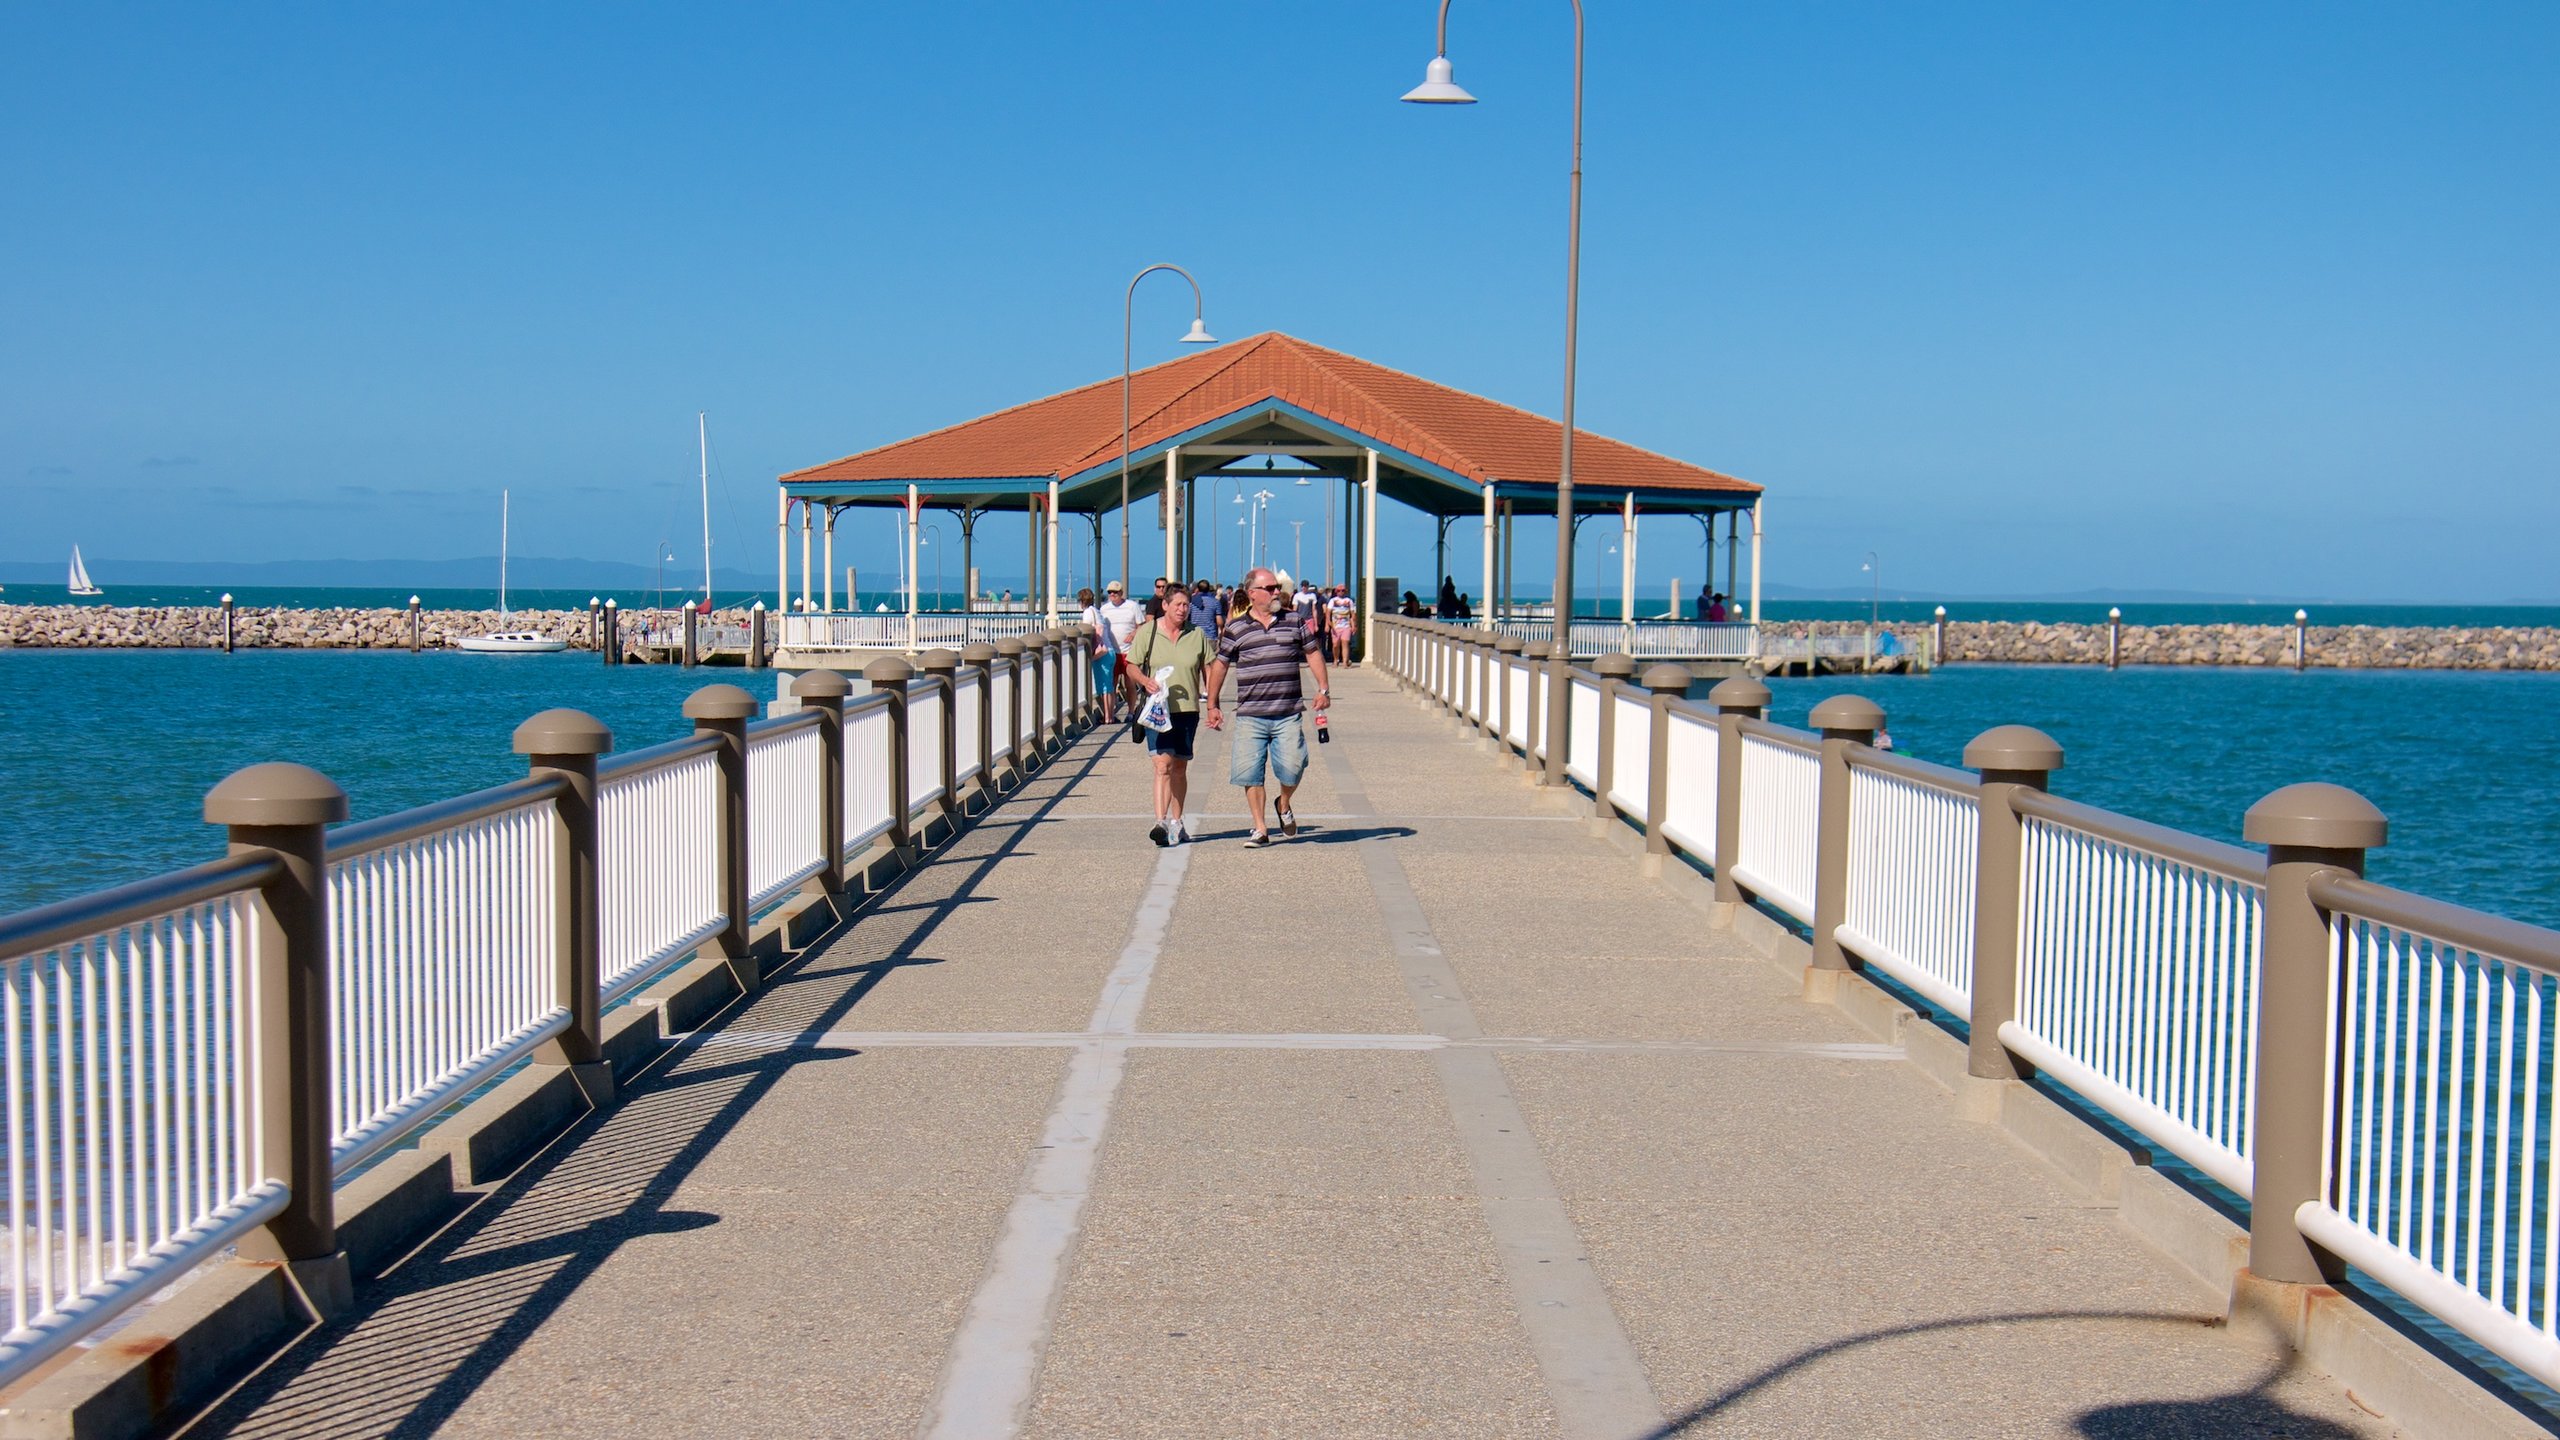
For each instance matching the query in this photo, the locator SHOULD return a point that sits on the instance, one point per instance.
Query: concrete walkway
(1441, 1120)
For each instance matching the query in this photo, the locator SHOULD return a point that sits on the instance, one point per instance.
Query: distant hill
(524, 571)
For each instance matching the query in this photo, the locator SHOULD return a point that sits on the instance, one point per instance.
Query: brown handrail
(1804, 741)
(31, 932)
(656, 757)
(1963, 784)
(2246, 866)
(2509, 940)
(366, 836)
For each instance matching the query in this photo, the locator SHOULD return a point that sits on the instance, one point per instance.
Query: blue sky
(2244, 297)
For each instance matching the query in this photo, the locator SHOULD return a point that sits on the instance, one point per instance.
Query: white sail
(81, 584)
(504, 641)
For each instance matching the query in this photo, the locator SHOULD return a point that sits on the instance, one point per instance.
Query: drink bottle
(1324, 732)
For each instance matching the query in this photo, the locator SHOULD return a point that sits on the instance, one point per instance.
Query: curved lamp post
(1438, 88)
(1199, 336)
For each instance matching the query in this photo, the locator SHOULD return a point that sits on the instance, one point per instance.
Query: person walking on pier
(1117, 618)
(1263, 646)
(1169, 653)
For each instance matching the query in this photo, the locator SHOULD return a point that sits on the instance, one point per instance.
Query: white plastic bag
(1157, 713)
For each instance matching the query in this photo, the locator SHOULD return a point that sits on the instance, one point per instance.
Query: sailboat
(502, 641)
(81, 584)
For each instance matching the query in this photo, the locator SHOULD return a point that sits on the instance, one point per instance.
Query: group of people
(1184, 642)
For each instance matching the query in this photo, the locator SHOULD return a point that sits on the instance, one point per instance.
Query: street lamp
(1258, 553)
(1199, 336)
(1875, 597)
(1438, 88)
(1298, 547)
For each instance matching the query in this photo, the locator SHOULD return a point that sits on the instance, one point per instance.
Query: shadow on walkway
(2251, 1413)
(424, 1337)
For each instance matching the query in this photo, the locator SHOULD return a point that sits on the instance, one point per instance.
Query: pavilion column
(782, 553)
(1510, 572)
(1439, 559)
(1049, 586)
(968, 562)
(1732, 555)
(1369, 560)
(1627, 561)
(807, 524)
(1173, 516)
(1096, 518)
(827, 602)
(914, 532)
(1484, 609)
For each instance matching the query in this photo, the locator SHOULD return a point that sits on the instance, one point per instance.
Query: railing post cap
(888, 670)
(275, 793)
(978, 652)
(1010, 646)
(1083, 632)
(820, 684)
(1739, 692)
(1507, 644)
(2018, 748)
(938, 661)
(1667, 679)
(720, 702)
(2316, 816)
(563, 732)
(1617, 665)
(1855, 714)
(1547, 650)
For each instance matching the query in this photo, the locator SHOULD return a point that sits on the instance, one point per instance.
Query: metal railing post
(564, 744)
(889, 676)
(284, 809)
(2307, 829)
(692, 636)
(824, 692)
(944, 667)
(1614, 670)
(1666, 684)
(2009, 758)
(1736, 700)
(1009, 652)
(612, 646)
(595, 623)
(1506, 651)
(981, 657)
(723, 711)
(755, 636)
(1844, 720)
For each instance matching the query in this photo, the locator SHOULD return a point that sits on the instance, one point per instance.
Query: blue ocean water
(105, 755)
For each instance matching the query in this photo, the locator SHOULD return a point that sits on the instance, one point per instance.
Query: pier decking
(1441, 1119)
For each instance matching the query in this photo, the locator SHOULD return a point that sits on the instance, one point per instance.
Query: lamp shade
(1437, 88)
(1199, 334)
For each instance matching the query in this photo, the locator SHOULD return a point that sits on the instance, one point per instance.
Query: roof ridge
(1233, 355)
(1068, 393)
(1334, 374)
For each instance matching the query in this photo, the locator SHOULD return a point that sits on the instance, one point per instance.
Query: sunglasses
(1266, 587)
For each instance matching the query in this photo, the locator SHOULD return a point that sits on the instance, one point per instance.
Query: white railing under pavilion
(1645, 639)
(949, 630)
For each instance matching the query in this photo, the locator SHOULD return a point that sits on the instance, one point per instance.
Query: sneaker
(1289, 823)
(1156, 833)
(1258, 840)
(1181, 830)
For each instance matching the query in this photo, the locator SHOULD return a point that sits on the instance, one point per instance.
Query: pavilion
(1271, 409)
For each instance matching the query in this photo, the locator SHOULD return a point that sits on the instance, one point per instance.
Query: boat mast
(702, 434)
(503, 506)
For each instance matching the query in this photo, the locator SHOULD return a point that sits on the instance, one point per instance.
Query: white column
(807, 523)
(782, 554)
(1485, 601)
(1756, 524)
(913, 535)
(1732, 559)
(827, 603)
(1172, 513)
(1050, 584)
(1627, 561)
(1369, 558)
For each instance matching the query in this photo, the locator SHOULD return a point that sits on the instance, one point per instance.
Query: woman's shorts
(1103, 666)
(1175, 742)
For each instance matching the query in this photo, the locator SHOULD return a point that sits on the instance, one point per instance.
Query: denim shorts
(1280, 740)
(1175, 742)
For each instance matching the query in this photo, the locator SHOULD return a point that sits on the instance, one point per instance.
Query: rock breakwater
(119, 627)
(2337, 647)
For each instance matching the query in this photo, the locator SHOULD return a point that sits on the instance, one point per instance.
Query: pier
(858, 1068)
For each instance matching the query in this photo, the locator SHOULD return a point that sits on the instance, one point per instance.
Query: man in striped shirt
(1263, 645)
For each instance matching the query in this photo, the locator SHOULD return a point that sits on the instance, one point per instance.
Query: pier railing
(195, 1060)
(2371, 1071)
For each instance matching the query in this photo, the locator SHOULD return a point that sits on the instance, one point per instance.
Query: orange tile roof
(1067, 434)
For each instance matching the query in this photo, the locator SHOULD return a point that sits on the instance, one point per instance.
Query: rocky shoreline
(199, 627)
(112, 627)
(2328, 647)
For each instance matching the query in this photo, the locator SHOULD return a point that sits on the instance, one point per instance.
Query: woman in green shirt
(1171, 643)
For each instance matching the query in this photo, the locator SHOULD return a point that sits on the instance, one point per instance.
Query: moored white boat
(81, 584)
(504, 641)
